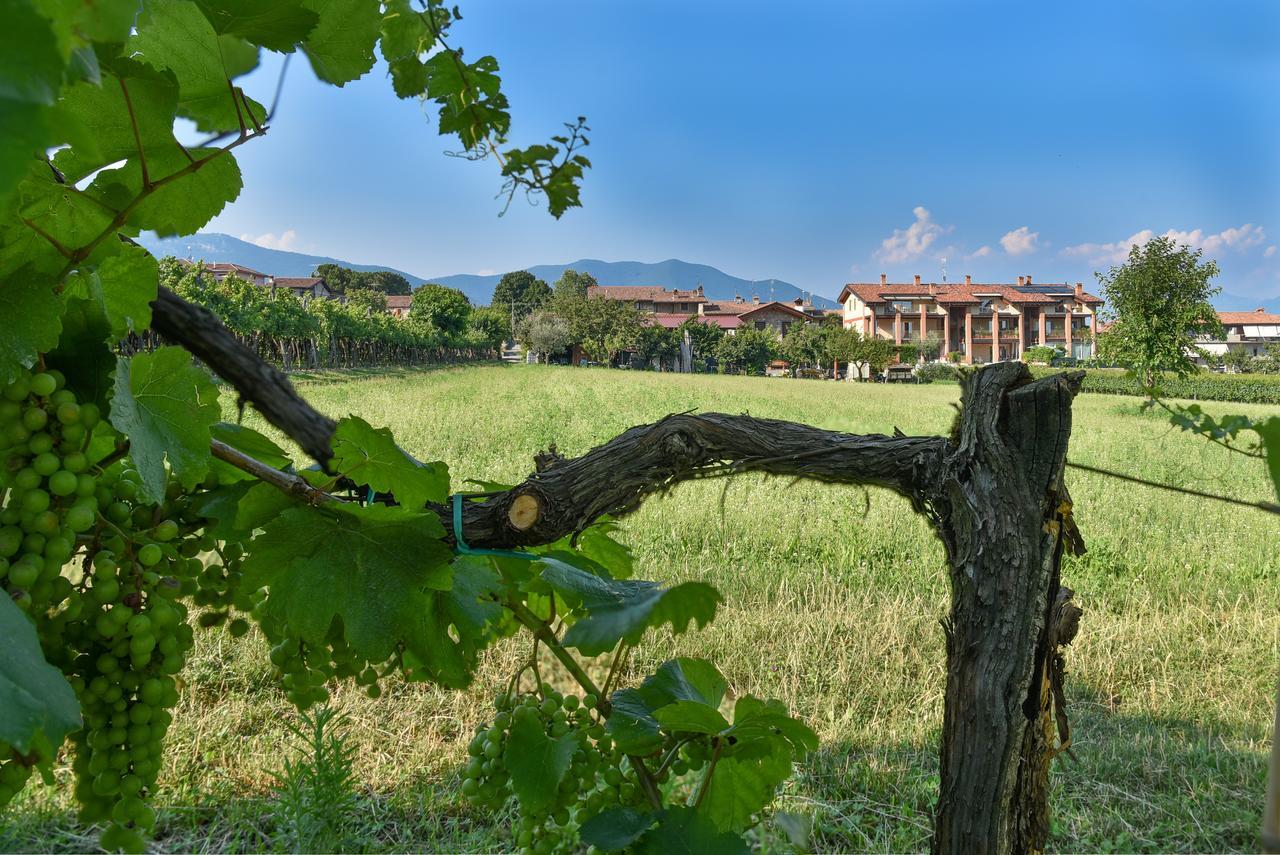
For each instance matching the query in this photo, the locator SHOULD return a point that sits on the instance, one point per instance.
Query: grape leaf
(405, 37)
(470, 608)
(252, 443)
(685, 831)
(35, 699)
(690, 717)
(754, 719)
(103, 112)
(370, 566)
(221, 505)
(537, 762)
(165, 405)
(741, 786)
(260, 505)
(239, 57)
(30, 63)
(684, 679)
(76, 21)
(278, 26)
(621, 610)
(59, 212)
(82, 353)
(123, 285)
(175, 35)
(370, 456)
(471, 101)
(340, 48)
(30, 297)
(631, 723)
(617, 828)
(24, 133)
(179, 207)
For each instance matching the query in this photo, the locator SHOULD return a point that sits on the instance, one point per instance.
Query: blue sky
(818, 143)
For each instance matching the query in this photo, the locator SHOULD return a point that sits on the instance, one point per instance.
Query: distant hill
(277, 262)
(671, 273)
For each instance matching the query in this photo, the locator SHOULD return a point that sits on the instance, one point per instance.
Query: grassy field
(833, 600)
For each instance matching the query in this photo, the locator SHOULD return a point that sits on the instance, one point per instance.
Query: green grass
(833, 596)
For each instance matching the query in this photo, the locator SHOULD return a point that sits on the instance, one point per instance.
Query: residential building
(398, 305)
(775, 315)
(984, 322)
(671, 308)
(653, 298)
(222, 269)
(1250, 332)
(306, 286)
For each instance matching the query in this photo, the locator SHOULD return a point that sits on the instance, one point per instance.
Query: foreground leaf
(372, 567)
(686, 831)
(165, 405)
(340, 48)
(537, 762)
(616, 828)
(370, 456)
(35, 699)
(31, 298)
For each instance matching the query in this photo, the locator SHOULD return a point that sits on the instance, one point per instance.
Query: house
(1250, 332)
(306, 286)
(398, 305)
(652, 298)
(775, 315)
(222, 269)
(984, 322)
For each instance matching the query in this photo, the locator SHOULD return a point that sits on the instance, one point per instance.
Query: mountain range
(673, 273)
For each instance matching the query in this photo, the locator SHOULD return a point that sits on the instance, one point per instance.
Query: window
(786, 325)
(903, 306)
(760, 325)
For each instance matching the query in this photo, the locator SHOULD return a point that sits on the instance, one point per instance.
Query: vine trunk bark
(1004, 516)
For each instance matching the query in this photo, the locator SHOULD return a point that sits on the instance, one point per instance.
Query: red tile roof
(955, 293)
(654, 293)
(774, 304)
(231, 267)
(298, 282)
(1258, 316)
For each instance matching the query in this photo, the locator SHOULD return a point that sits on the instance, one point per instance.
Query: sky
(815, 142)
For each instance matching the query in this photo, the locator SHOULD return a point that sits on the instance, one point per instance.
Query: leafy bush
(1203, 386)
(937, 372)
(1041, 353)
(955, 357)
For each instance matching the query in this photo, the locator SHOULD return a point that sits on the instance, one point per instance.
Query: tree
(520, 292)
(804, 345)
(703, 336)
(543, 334)
(573, 284)
(748, 350)
(841, 345)
(339, 279)
(655, 342)
(388, 282)
(605, 327)
(1157, 307)
(445, 309)
(491, 325)
(871, 355)
(367, 301)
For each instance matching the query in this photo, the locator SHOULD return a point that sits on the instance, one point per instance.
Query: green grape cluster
(305, 669)
(599, 776)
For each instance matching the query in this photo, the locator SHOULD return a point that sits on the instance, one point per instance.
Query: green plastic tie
(460, 544)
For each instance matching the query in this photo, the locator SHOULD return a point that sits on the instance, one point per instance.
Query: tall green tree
(703, 337)
(490, 325)
(748, 350)
(655, 342)
(445, 309)
(1157, 307)
(520, 293)
(339, 279)
(604, 328)
(544, 334)
(388, 282)
(573, 284)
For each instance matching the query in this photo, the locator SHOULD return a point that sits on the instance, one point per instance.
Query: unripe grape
(43, 385)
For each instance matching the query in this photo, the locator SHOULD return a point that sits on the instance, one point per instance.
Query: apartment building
(1250, 332)
(670, 308)
(986, 322)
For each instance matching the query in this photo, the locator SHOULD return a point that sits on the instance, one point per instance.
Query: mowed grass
(833, 596)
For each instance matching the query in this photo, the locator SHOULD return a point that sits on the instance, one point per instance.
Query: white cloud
(1270, 251)
(485, 272)
(980, 252)
(1020, 241)
(911, 242)
(287, 240)
(1237, 239)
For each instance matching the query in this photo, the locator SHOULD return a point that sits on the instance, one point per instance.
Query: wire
(1269, 507)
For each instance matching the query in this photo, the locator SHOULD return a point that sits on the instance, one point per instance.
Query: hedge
(1204, 386)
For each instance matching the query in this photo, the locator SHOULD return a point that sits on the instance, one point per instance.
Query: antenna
(944, 268)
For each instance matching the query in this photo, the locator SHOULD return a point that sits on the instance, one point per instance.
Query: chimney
(737, 298)
(1079, 290)
(799, 301)
(1022, 280)
(933, 290)
(884, 280)
(1260, 310)
(755, 299)
(700, 294)
(1028, 278)
(968, 280)
(917, 278)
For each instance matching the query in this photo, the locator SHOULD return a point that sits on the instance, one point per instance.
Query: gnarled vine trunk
(993, 490)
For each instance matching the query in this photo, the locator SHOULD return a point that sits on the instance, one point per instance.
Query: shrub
(937, 372)
(955, 357)
(1041, 353)
(1202, 386)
